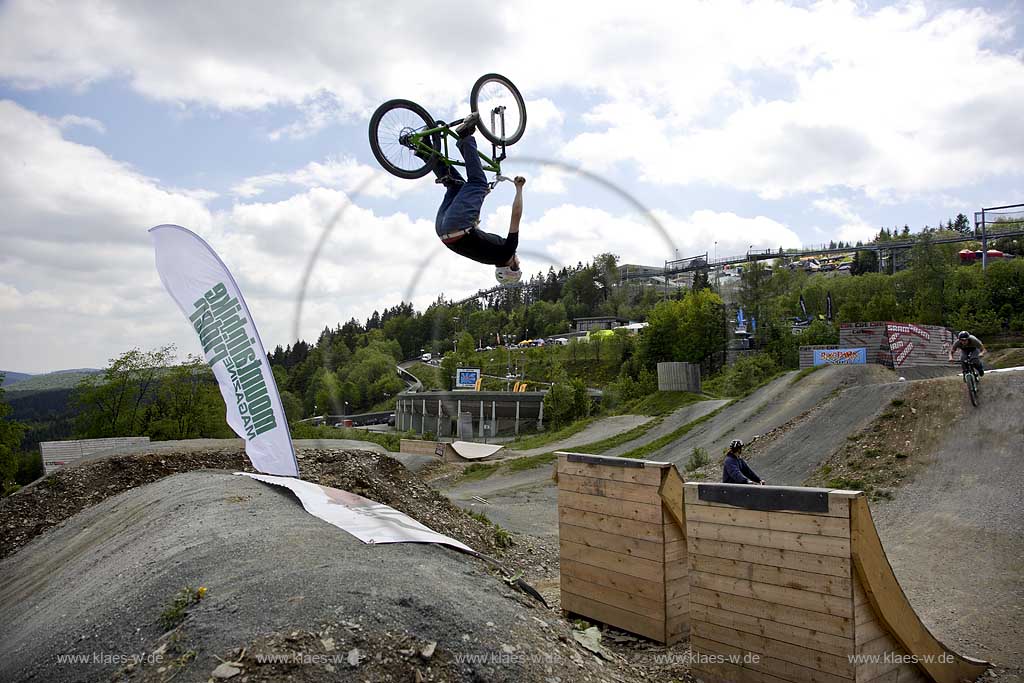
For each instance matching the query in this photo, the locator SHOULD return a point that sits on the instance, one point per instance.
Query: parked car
(426, 357)
(845, 267)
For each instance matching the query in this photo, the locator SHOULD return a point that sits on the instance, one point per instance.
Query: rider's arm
(517, 205)
(750, 474)
(954, 347)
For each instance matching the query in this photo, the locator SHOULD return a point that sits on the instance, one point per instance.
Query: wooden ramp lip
(766, 498)
(894, 609)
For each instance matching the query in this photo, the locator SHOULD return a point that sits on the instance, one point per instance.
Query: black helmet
(964, 334)
(736, 445)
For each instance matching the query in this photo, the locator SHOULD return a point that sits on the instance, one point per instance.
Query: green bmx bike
(403, 134)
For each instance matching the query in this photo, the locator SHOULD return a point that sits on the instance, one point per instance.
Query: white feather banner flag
(204, 290)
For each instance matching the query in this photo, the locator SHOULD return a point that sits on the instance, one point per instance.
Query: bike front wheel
(501, 108)
(392, 128)
(972, 388)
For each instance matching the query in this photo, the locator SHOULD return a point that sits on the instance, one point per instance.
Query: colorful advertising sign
(840, 356)
(466, 378)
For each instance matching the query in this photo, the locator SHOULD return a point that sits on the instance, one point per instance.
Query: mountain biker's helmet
(964, 335)
(506, 275)
(735, 445)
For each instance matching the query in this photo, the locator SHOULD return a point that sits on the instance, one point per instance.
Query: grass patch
(478, 471)
(428, 375)
(604, 445)
(665, 440)
(803, 373)
(661, 403)
(175, 612)
(537, 440)
(528, 463)
(1011, 359)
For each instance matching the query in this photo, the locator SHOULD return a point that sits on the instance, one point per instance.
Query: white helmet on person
(506, 275)
(735, 445)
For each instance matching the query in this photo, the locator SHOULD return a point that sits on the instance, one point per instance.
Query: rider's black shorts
(485, 247)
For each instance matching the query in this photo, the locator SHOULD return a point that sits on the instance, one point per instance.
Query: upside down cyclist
(458, 216)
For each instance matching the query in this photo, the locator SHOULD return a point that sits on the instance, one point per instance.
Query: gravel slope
(99, 583)
(770, 407)
(790, 460)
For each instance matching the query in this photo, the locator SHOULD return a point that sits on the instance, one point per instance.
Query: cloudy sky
(743, 123)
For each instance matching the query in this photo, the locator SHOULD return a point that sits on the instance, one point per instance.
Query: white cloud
(344, 173)
(765, 97)
(78, 282)
(853, 229)
(72, 120)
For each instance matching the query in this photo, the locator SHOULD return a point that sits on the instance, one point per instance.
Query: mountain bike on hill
(409, 143)
(971, 350)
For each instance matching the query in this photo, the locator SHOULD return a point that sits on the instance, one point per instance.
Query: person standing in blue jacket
(735, 470)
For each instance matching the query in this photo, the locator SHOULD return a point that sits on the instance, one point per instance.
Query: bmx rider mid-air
(458, 217)
(971, 350)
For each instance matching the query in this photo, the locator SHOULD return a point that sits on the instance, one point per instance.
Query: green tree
(930, 267)
(187, 404)
(113, 403)
(689, 329)
(292, 406)
(10, 442)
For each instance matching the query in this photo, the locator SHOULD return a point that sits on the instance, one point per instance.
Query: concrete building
(470, 414)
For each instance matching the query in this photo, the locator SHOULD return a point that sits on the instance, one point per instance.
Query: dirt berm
(91, 590)
(955, 533)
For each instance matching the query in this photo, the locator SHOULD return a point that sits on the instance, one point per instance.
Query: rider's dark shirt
(736, 471)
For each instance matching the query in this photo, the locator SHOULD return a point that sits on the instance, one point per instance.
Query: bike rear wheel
(390, 129)
(491, 95)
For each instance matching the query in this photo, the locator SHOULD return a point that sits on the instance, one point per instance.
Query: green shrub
(743, 376)
(698, 459)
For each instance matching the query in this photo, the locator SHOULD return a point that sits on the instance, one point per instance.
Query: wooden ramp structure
(623, 550)
(793, 584)
(772, 583)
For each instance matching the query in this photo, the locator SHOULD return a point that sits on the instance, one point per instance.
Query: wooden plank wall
(418, 447)
(623, 557)
(774, 589)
